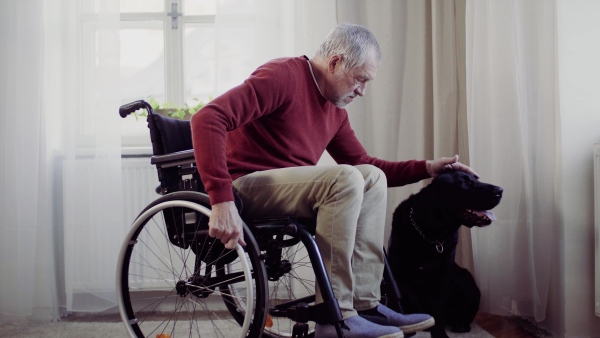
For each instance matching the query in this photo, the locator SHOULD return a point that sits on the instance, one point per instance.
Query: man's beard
(341, 102)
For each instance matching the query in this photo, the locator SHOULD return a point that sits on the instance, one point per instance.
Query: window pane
(213, 67)
(199, 7)
(142, 64)
(199, 62)
(142, 6)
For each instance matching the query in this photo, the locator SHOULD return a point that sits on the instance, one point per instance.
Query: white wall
(579, 95)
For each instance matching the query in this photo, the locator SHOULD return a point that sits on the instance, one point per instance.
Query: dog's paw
(460, 328)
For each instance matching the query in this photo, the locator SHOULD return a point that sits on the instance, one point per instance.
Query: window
(167, 52)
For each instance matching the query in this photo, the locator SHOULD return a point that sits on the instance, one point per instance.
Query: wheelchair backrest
(169, 135)
(173, 154)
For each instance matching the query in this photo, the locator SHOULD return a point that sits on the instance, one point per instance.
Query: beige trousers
(349, 203)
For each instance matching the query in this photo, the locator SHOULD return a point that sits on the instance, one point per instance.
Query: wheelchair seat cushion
(176, 135)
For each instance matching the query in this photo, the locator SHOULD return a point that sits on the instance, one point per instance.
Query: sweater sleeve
(345, 148)
(264, 91)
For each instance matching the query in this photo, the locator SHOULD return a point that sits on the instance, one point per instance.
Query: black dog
(422, 248)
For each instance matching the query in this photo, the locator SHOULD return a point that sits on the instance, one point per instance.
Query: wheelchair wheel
(291, 281)
(173, 280)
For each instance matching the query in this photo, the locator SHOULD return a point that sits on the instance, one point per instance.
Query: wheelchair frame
(181, 216)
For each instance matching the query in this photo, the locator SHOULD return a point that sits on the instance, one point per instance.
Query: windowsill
(88, 153)
(136, 151)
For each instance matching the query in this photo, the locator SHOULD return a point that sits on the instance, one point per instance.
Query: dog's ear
(434, 193)
(439, 185)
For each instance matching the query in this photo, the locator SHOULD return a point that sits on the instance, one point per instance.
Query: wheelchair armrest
(173, 159)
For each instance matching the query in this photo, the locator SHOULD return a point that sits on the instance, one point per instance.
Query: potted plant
(172, 110)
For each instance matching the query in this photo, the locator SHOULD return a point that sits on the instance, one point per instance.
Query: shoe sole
(393, 335)
(418, 326)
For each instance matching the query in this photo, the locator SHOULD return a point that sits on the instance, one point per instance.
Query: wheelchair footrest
(327, 312)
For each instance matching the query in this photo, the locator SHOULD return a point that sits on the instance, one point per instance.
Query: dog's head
(465, 197)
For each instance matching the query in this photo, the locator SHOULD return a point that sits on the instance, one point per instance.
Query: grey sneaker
(408, 323)
(358, 327)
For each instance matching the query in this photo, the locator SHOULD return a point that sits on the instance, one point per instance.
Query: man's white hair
(354, 42)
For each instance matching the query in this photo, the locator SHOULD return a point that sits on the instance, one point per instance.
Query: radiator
(139, 179)
(597, 225)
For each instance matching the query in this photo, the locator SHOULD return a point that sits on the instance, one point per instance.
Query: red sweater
(276, 119)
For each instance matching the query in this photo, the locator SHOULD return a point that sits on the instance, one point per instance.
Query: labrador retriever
(422, 248)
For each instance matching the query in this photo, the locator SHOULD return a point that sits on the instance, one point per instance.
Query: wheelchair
(173, 280)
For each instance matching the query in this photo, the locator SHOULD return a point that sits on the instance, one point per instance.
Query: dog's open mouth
(477, 217)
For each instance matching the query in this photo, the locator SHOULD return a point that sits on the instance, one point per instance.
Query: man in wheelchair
(263, 139)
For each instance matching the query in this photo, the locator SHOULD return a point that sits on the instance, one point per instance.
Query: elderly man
(263, 139)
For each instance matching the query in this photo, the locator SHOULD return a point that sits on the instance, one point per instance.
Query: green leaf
(180, 111)
(153, 103)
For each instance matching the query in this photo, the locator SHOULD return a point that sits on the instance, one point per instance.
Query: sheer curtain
(60, 156)
(512, 121)
(86, 102)
(27, 278)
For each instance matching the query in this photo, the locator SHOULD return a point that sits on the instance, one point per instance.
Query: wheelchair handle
(129, 108)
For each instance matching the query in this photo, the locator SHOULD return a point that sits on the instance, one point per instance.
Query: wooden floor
(504, 327)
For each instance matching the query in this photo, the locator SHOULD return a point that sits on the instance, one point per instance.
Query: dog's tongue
(487, 213)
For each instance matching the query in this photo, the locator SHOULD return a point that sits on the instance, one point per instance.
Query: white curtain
(60, 152)
(27, 278)
(88, 97)
(513, 134)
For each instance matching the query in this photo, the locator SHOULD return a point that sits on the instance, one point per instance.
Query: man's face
(348, 83)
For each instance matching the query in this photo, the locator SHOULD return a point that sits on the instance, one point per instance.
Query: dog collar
(439, 245)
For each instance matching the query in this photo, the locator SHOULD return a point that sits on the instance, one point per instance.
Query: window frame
(174, 64)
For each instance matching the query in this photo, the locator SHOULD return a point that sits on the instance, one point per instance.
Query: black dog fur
(422, 248)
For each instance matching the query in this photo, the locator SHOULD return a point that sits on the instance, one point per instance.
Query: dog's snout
(498, 191)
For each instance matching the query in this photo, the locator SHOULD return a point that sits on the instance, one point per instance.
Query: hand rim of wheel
(205, 211)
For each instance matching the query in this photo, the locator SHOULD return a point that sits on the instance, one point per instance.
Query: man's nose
(360, 90)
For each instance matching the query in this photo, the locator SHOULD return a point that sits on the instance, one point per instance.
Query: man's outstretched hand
(435, 167)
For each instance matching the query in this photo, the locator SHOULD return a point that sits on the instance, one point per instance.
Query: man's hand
(435, 167)
(226, 224)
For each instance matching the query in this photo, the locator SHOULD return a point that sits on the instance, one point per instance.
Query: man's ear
(334, 61)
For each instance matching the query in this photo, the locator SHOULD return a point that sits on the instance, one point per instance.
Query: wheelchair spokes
(190, 288)
(291, 281)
